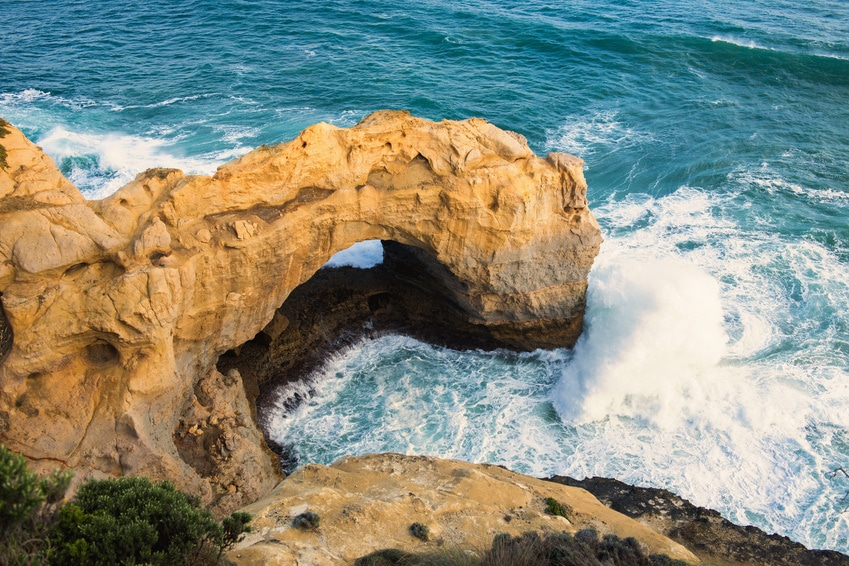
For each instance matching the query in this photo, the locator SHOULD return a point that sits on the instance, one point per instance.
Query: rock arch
(121, 307)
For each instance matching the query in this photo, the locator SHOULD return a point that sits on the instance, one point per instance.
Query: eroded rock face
(369, 502)
(120, 308)
(705, 532)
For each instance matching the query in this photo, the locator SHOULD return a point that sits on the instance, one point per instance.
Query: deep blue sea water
(715, 360)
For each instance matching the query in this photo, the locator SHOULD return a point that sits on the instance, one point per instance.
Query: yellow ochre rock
(114, 312)
(368, 503)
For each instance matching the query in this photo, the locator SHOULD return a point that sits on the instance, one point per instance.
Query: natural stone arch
(120, 308)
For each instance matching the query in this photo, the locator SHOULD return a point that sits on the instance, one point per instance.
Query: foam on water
(739, 42)
(363, 255)
(654, 331)
(683, 379)
(99, 164)
(584, 136)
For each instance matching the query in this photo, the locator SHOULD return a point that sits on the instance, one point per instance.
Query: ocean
(715, 357)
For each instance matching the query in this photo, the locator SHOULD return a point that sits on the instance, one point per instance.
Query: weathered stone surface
(711, 537)
(367, 503)
(120, 308)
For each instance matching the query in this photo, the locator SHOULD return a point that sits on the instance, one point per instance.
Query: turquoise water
(715, 134)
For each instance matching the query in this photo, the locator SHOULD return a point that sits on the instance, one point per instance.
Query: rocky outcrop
(115, 312)
(710, 536)
(370, 502)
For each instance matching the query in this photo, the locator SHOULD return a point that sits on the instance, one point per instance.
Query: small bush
(4, 131)
(562, 549)
(420, 531)
(387, 557)
(532, 549)
(27, 509)
(133, 521)
(308, 521)
(554, 507)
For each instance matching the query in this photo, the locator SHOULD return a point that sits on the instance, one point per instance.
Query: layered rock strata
(115, 312)
(368, 503)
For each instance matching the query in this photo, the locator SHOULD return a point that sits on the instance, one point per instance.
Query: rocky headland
(139, 333)
(116, 312)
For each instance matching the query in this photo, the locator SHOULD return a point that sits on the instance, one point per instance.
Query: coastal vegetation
(585, 548)
(554, 507)
(128, 520)
(4, 131)
(308, 521)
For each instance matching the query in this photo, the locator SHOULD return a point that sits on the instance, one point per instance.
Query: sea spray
(654, 329)
(99, 164)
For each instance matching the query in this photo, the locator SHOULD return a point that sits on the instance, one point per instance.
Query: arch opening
(409, 292)
(352, 296)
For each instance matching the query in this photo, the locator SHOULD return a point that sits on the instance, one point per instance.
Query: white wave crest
(654, 330)
(117, 159)
(739, 42)
(28, 96)
(364, 255)
(583, 136)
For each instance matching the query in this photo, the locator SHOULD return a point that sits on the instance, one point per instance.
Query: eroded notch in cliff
(6, 335)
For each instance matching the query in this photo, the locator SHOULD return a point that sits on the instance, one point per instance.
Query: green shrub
(532, 549)
(562, 549)
(4, 131)
(420, 531)
(387, 557)
(27, 509)
(554, 507)
(308, 521)
(133, 521)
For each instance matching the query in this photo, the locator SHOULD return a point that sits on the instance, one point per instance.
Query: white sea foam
(162, 103)
(117, 158)
(234, 134)
(767, 179)
(363, 254)
(739, 42)
(654, 332)
(29, 96)
(581, 136)
(685, 377)
(731, 428)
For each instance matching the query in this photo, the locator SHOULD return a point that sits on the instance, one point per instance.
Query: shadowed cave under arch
(409, 293)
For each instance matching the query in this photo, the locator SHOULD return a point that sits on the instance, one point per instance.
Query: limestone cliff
(114, 312)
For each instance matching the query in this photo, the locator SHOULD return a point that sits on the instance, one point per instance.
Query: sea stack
(115, 312)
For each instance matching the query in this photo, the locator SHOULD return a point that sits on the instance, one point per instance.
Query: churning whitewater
(715, 358)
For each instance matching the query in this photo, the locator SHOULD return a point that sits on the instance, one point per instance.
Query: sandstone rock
(116, 311)
(368, 503)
